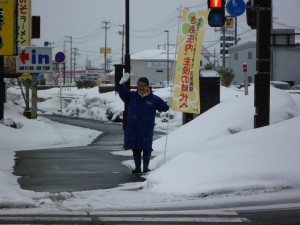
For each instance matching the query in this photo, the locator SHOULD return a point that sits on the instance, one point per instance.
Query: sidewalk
(76, 168)
(71, 169)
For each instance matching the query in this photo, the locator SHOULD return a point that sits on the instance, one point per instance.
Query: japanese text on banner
(24, 23)
(186, 97)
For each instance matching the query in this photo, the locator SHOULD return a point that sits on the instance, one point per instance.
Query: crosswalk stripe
(175, 212)
(45, 218)
(174, 219)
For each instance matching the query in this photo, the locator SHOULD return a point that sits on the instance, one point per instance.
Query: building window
(236, 56)
(249, 55)
(159, 71)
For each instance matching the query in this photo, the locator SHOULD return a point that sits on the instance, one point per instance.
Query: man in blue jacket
(142, 106)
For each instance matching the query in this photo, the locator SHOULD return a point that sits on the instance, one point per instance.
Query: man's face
(142, 88)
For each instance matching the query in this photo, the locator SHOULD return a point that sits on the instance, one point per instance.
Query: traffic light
(251, 13)
(216, 16)
(35, 27)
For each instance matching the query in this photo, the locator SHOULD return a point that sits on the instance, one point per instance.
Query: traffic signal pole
(263, 63)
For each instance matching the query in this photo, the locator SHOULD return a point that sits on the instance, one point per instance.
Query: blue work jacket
(141, 118)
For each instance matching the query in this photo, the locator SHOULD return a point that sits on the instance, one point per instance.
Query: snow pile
(217, 153)
(255, 159)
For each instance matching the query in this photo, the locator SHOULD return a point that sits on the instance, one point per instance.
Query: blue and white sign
(60, 57)
(236, 7)
(34, 60)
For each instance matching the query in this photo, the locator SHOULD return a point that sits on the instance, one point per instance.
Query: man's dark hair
(144, 80)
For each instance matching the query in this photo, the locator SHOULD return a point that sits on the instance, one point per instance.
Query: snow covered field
(217, 157)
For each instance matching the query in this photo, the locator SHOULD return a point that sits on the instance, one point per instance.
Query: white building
(240, 54)
(153, 64)
(285, 58)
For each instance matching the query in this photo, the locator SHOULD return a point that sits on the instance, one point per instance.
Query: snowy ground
(216, 158)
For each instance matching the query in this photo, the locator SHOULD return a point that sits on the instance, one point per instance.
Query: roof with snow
(162, 54)
(155, 54)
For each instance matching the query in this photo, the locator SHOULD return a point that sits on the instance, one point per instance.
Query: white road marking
(45, 218)
(174, 212)
(174, 219)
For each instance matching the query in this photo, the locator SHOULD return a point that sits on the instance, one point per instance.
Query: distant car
(296, 87)
(281, 85)
(163, 84)
(50, 83)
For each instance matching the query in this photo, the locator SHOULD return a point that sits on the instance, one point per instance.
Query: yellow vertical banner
(7, 27)
(186, 97)
(23, 36)
(24, 22)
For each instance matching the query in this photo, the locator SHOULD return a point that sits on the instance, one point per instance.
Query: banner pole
(172, 88)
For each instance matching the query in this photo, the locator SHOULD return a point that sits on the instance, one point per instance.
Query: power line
(197, 6)
(282, 24)
(97, 30)
(170, 26)
(162, 23)
(90, 37)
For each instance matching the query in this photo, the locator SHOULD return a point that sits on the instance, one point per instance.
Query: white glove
(124, 78)
(169, 102)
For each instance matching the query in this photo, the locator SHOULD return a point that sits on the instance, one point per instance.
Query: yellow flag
(24, 23)
(8, 28)
(186, 97)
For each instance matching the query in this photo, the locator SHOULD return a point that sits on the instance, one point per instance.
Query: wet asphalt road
(77, 168)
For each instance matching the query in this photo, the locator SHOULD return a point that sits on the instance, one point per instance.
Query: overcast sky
(83, 20)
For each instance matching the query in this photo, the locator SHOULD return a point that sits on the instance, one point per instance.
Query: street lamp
(167, 57)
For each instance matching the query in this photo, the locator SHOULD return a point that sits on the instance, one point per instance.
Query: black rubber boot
(146, 161)
(137, 161)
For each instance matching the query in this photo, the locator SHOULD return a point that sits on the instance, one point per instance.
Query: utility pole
(109, 61)
(263, 63)
(215, 59)
(75, 53)
(64, 71)
(235, 30)
(71, 75)
(106, 27)
(123, 34)
(223, 59)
